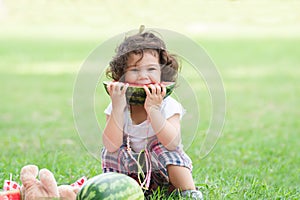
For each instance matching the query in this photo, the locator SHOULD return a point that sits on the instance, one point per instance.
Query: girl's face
(143, 71)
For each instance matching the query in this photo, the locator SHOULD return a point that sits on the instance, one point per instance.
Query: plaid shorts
(122, 162)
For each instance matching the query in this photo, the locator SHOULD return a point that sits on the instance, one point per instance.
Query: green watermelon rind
(136, 95)
(111, 186)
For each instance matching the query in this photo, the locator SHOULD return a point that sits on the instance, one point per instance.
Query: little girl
(146, 138)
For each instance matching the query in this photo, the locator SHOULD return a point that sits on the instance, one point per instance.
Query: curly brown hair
(138, 44)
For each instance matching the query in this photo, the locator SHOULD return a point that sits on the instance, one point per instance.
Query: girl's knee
(178, 169)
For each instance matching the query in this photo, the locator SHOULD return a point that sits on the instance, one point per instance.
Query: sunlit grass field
(257, 156)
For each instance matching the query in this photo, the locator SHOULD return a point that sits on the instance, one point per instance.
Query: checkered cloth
(121, 162)
(10, 185)
(79, 182)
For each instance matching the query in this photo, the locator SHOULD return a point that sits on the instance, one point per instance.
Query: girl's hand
(154, 97)
(117, 92)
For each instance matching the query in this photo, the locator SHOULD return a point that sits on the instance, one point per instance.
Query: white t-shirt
(139, 134)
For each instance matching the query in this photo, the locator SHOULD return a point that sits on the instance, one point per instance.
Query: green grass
(256, 157)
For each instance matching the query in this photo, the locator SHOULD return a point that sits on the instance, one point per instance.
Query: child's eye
(134, 70)
(153, 67)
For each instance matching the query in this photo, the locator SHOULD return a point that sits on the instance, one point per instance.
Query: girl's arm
(113, 132)
(167, 130)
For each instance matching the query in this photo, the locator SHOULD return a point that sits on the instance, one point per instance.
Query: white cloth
(139, 134)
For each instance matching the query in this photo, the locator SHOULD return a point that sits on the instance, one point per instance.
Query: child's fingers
(164, 90)
(124, 88)
(153, 88)
(147, 90)
(156, 89)
(116, 87)
(109, 87)
(160, 89)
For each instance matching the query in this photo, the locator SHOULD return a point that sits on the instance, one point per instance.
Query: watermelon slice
(136, 94)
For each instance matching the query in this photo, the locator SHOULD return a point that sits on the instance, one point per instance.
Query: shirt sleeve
(171, 107)
(108, 109)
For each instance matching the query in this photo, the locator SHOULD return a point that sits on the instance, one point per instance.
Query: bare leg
(181, 177)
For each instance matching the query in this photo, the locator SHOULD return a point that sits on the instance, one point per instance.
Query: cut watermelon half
(136, 95)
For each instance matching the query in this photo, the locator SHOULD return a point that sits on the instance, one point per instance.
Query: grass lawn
(257, 155)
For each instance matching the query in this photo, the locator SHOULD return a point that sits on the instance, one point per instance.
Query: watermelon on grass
(136, 94)
(111, 185)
